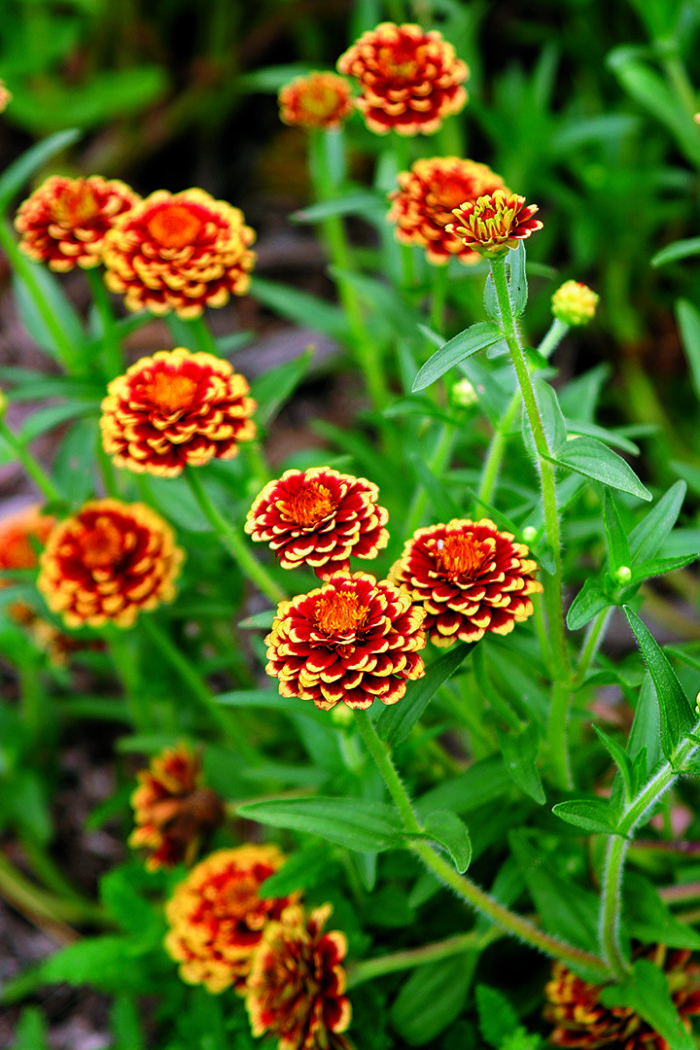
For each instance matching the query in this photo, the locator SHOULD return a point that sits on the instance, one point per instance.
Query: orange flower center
(398, 62)
(460, 555)
(174, 226)
(340, 613)
(102, 545)
(170, 392)
(310, 504)
(318, 100)
(451, 192)
(75, 205)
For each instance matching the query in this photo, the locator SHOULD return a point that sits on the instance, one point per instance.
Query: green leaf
(677, 717)
(53, 294)
(73, 467)
(105, 963)
(17, 174)
(396, 722)
(442, 503)
(469, 342)
(129, 909)
(591, 814)
(445, 828)
(552, 418)
(650, 921)
(368, 205)
(582, 428)
(589, 601)
(517, 284)
(385, 301)
(52, 416)
(305, 868)
(619, 757)
(497, 1018)
(520, 756)
(261, 621)
(481, 783)
(301, 308)
(349, 822)
(173, 498)
(660, 566)
(677, 250)
(689, 324)
(431, 998)
(593, 459)
(645, 734)
(618, 547)
(273, 388)
(646, 991)
(31, 1031)
(126, 1024)
(646, 538)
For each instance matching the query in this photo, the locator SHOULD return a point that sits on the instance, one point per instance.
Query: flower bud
(529, 534)
(574, 303)
(623, 574)
(463, 394)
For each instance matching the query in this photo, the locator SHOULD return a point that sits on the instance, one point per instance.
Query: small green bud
(529, 533)
(623, 574)
(463, 394)
(697, 698)
(3, 404)
(341, 715)
(574, 303)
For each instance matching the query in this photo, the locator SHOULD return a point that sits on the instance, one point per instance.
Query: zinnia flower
(5, 96)
(180, 252)
(319, 100)
(217, 918)
(574, 303)
(320, 517)
(410, 79)
(108, 563)
(494, 223)
(296, 983)
(21, 535)
(574, 1006)
(423, 205)
(172, 810)
(352, 640)
(65, 221)
(173, 410)
(469, 577)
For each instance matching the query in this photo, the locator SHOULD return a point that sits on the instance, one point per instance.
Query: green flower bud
(574, 303)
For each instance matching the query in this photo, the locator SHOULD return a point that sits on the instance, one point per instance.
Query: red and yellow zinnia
(353, 640)
(297, 980)
(179, 251)
(173, 410)
(65, 221)
(317, 100)
(469, 578)
(495, 222)
(109, 562)
(319, 517)
(410, 79)
(217, 917)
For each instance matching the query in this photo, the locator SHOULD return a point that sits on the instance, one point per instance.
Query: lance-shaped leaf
(469, 342)
(445, 828)
(593, 459)
(589, 601)
(618, 546)
(17, 174)
(677, 718)
(351, 822)
(689, 324)
(646, 538)
(591, 814)
(677, 250)
(396, 722)
(520, 756)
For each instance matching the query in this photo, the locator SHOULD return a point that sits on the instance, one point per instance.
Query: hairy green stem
(111, 343)
(557, 331)
(233, 541)
(33, 468)
(464, 887)
(594, 637)
(473, 940)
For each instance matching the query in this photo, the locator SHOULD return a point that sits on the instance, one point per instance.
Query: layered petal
(318, 100)
(495, 222)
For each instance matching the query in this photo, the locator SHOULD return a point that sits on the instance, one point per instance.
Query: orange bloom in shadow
(319, 100)
(217, 917)
(180, 252)
(423, 205)
(173, 410)
(469, 577)
(495, 222)
(296, 983)
(108, 563)
(410, 79)
(574, 1006)
(65, 221)
(319, 517)
(353, 640)
(172, 810)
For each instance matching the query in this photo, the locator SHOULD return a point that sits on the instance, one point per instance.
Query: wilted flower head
(423, 205)
(494, 223)
(65, 221)
(173, 811)
(353, 640)
(410, 79)
(217, 917)
(108, 563)
(574, 303)
(5, 96)
(469, 577)
(318, 100)
(319, 517)
(173, 410)
(574, 1006)
(180, 252)
(296, 983)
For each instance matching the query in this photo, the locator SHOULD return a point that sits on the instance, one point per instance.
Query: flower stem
(464, 887)
(202, 335)
(552, 339)
(33, 468)
(233, 541)
(438, 461)
(593, 639)
(113, 355)
(438, 298)
(494, 457)
(471, 941)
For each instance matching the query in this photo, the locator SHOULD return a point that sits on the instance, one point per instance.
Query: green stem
(496, 702)
(552, 339)
(561, 697)
(438, 461)
(35, 902)
(609, 925)
(111, 343)
(402, 156)
(203, 335)
(25, 269)
(33, 468)
(678, 77)
(472, 941)
(590, 647)
(438, 299)
(497, 447)
(123, 656)
(464, 887)
(109, 477)
(233, 541)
